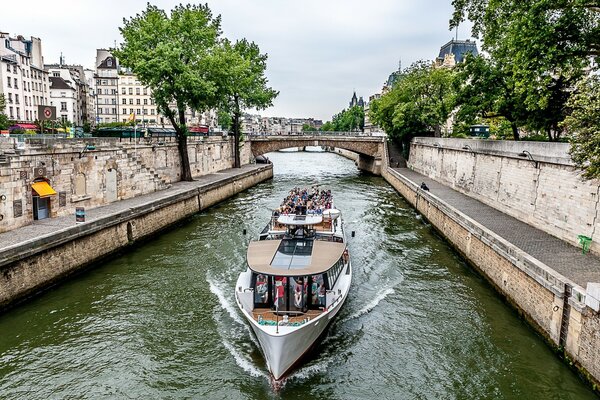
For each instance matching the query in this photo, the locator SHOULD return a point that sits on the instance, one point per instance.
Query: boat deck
(269, 315)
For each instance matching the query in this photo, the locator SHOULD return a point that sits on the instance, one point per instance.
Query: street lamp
(526, 154)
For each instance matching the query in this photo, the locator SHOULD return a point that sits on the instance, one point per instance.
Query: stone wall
(28, 268)
(93, 172)
(542, 188)
(535, 290)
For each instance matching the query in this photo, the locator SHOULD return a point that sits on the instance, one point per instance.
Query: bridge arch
(369, 148)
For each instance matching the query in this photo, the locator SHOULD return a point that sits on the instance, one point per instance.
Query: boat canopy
(293, 257)
(299, 220)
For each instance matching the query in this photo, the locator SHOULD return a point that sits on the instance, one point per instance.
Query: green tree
(307, 128)
(485, 90)
(419, 103)
(224, 119)
(240, 68)
(327, 127)
(545, 45)
(584, 124)
(4, 123)
(170, 54)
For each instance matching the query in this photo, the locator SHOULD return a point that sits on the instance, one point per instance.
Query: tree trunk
(515, 131)
(186, 172)
(236, 136)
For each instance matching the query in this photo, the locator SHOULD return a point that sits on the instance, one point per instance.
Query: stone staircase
(396, 159)
(146, 179)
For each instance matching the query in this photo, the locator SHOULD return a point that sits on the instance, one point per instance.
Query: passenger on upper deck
(305, 201)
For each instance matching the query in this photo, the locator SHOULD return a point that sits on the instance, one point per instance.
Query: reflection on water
(161, 322)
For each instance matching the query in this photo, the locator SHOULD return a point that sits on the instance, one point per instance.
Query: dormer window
(109, 62)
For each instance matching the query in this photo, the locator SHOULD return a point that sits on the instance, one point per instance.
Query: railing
(310, 133)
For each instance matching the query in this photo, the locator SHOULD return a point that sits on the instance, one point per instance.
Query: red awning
(28, 126)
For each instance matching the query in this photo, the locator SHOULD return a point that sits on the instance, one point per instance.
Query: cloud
(320, 51)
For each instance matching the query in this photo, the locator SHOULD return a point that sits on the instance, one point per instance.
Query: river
(161, 322)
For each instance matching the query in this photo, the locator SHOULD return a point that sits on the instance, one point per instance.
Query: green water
(161, 322)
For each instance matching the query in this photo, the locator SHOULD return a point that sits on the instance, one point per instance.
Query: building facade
(69, 93)
(23, 80)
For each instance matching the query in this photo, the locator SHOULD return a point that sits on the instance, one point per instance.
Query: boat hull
(283, 350)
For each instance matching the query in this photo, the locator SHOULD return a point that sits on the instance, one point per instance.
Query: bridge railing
(313, 133)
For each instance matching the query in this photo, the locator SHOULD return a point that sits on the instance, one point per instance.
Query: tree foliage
(584, 123)
(350, 120)
(240, 71)
(419, 103)
(170, 54)
(4, 122)
(485, 90)
(542, 46)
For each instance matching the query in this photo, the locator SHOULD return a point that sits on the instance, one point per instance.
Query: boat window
(334, 272)
(317, 291)
(297, 293)
(279, 292)
(261, 289)
(293, 254)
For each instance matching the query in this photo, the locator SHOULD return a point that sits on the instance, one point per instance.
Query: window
(138, 111)
(114, 101)
(123, 91)
(130, 90)
(114, 111)
(124, 111)
(124, 101)
(18, 113)
(152, 101)
(145, 111)
(7, 67)
(261, 289)
(137, 91)
(25, 98)
(131, 101)
(145, 91)
(14, 69)
(55, 73)
(114, 91)
(100, 111)
(63, 106)
(145, 102)
(99, 91)
(104, 82)
(16, 99)
(138, 102)
(109, 62)
(131, 111)
(9, 98)
(8, 82)
(63, 118)
(16, 84)
(10, 111)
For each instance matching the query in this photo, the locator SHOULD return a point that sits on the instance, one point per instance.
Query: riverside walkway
(557, 254)
(14, 241)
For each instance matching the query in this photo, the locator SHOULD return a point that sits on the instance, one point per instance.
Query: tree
(584, 124)
(4, 123)
(420, 102)
(240, 69)
(486, 90)
(546, 44)
(224, 119)
(170, 54)
(327, 127)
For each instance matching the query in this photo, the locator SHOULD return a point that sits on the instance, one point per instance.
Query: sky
(320, 51)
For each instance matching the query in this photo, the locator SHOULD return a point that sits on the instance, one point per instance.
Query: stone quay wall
(98, 171)
(541, 187)
(540, 294)
(34, 265)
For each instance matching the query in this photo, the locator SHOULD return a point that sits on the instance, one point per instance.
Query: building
(119, 95)
(370, 128)
(69, 92)
(356, 102)
(454, 52)
(23, 80)
(107, 87)
(91, 95)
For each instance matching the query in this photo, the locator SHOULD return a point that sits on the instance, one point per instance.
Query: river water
(161, 322)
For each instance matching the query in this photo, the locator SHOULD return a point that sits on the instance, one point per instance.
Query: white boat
(298, 277)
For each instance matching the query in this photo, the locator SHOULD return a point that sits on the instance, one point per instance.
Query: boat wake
(369, 306)
(217, 291)
(243, 362)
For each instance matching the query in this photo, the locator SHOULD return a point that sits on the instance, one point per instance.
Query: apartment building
(23, 80)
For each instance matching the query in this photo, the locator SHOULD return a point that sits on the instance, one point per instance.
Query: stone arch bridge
(369, 148)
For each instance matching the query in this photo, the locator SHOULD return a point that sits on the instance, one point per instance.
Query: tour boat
(298, 277)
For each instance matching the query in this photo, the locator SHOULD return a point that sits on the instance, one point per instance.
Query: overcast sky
(320, 51)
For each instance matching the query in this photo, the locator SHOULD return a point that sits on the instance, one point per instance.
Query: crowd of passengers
(305, 202)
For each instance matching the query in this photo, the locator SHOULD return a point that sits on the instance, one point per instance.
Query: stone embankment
(36, 256)
(471, 187)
